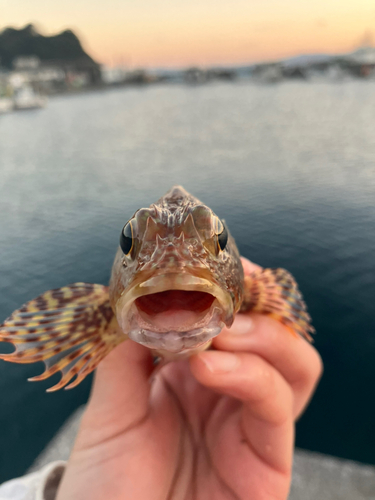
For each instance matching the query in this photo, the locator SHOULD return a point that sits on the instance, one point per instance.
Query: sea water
(290, 167)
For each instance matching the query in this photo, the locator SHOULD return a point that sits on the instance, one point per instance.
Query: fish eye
(221, 234)
(127, 238)
(222, 238)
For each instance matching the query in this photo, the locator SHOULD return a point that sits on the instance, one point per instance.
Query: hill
(64, 47)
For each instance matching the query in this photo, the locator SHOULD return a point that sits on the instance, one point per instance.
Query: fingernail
(242, 325)
(219, 361)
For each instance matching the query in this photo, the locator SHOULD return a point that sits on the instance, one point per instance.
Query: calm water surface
(290, 167)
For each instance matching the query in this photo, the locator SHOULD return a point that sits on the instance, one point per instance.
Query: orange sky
(152, 33)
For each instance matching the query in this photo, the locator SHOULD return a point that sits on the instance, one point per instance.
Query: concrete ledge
(315, 476)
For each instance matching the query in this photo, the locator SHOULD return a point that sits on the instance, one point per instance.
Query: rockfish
(177, 279)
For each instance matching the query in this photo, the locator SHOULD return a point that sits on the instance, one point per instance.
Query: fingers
(296, 360)
(120, 393)
(248, 266)
(267, 417)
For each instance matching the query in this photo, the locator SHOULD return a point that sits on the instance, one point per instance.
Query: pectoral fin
(274, 292)
(70, 329)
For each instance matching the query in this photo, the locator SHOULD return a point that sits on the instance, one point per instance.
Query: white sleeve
(40, 485)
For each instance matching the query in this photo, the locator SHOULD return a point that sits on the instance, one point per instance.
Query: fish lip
(175, 281)
(220, 313)
(173, 341)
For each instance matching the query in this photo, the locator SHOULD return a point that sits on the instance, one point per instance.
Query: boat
(25, 98)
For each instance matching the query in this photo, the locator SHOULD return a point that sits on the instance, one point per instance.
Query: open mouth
(174, 309)
(174, 312)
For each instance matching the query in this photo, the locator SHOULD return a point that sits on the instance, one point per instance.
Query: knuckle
(309, 372)
(260, 375)
(262, 380)
(316, 367)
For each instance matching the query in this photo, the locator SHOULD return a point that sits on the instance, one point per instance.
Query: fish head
(177, 278)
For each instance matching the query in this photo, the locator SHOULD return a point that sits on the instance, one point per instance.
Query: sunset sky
(172, 33)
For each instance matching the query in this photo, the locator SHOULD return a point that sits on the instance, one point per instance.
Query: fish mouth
(174, 312)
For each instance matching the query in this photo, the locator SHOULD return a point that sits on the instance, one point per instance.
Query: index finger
(249, 266)
(296, 360)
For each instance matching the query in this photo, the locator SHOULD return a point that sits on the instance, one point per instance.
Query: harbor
(27, 80)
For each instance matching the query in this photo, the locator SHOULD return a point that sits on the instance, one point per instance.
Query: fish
(177, 280)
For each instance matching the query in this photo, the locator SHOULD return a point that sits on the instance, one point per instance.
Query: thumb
(120, 394)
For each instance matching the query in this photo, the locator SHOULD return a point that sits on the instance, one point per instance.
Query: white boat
(6, 105)
(26, 98)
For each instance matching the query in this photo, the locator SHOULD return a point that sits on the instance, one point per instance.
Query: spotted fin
(70, 329)
(274, 292)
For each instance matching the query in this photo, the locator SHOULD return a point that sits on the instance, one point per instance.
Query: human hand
(217, 426)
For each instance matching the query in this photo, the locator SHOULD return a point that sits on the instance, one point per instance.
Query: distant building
(30, 70)
(26, 63)
(195, 76)
(51, 63)
(362, 61)
(113, 76)
(268, 72)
